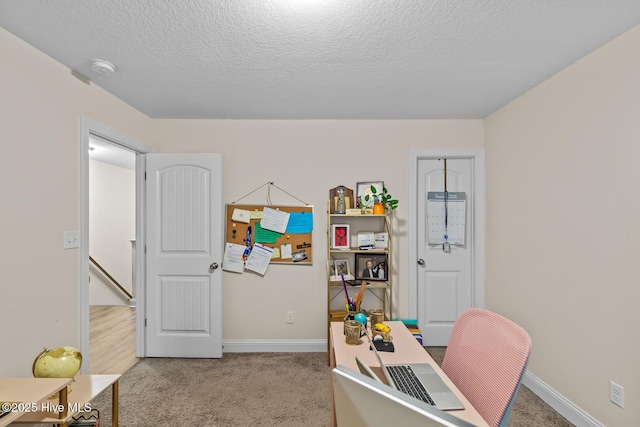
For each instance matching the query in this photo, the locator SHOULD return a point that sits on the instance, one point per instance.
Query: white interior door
(184, 248)
(444, 279)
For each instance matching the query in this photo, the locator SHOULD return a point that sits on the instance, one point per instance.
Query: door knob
(213, 266)
(421, 262)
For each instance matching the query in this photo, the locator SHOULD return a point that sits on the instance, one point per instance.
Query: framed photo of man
(372, 266)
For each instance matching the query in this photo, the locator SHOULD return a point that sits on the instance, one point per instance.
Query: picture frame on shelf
(341, 268)
(381, 240)
(332, 269)
(340, 236)
(377, 270)
(366, 239)
(364, 188)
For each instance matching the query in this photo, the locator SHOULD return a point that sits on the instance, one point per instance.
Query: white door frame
(91, 127)
(477, 157)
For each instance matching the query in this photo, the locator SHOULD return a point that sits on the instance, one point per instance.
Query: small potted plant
(384, 201)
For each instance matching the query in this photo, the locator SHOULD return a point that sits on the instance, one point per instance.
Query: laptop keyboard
(407, 382)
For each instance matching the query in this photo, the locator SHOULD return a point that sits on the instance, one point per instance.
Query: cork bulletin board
(294, 246)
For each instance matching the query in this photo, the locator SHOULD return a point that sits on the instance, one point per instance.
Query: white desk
(407, 350)
(37, 391)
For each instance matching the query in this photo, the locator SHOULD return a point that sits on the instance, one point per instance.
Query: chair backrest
(486, 358)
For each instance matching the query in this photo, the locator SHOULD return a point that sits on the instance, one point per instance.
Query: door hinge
(145, 322)
(145, 176)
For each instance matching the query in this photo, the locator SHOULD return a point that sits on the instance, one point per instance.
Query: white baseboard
(561, 404)
(274, 346)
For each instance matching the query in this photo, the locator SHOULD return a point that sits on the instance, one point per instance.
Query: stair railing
(113, 281)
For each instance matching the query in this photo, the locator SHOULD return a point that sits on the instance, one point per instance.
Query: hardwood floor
(112, 339)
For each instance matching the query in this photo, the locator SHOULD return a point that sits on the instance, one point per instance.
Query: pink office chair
(486, 359)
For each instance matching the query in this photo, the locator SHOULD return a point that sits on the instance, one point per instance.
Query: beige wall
(306, 159)
(563, 226)
(40, 108)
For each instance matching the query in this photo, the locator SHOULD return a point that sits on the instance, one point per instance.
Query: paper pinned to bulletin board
(286, 230)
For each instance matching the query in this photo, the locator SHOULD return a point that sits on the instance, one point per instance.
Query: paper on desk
(232, 260)
(275, 220)
(259, 259)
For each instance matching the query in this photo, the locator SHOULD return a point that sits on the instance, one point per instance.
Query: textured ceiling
(319, 59)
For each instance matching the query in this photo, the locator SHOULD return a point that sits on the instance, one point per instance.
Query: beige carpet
(240, 389)
(251, 389)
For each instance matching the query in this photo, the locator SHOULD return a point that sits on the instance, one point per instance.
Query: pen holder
(352, 332)
(350, 316)
(376, 315)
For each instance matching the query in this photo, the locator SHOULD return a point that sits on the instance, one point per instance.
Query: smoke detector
(102, 67)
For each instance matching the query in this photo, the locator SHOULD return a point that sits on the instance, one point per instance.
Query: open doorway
(112, 255)
(112, 176)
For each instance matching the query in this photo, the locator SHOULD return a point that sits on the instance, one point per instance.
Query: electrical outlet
(290, 317)
(616, 394)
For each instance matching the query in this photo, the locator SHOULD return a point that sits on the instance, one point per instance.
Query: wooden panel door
(184, 248)
(445, 280)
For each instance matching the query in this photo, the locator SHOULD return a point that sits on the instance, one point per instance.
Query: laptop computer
(439, 394)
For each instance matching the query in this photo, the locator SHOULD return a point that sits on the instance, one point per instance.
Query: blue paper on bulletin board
(300, 223)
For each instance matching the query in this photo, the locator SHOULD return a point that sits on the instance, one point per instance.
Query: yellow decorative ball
(60, 362)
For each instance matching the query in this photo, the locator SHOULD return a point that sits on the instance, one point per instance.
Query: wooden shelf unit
(378, 291)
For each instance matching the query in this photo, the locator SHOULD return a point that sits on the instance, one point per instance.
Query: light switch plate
(71, 239)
